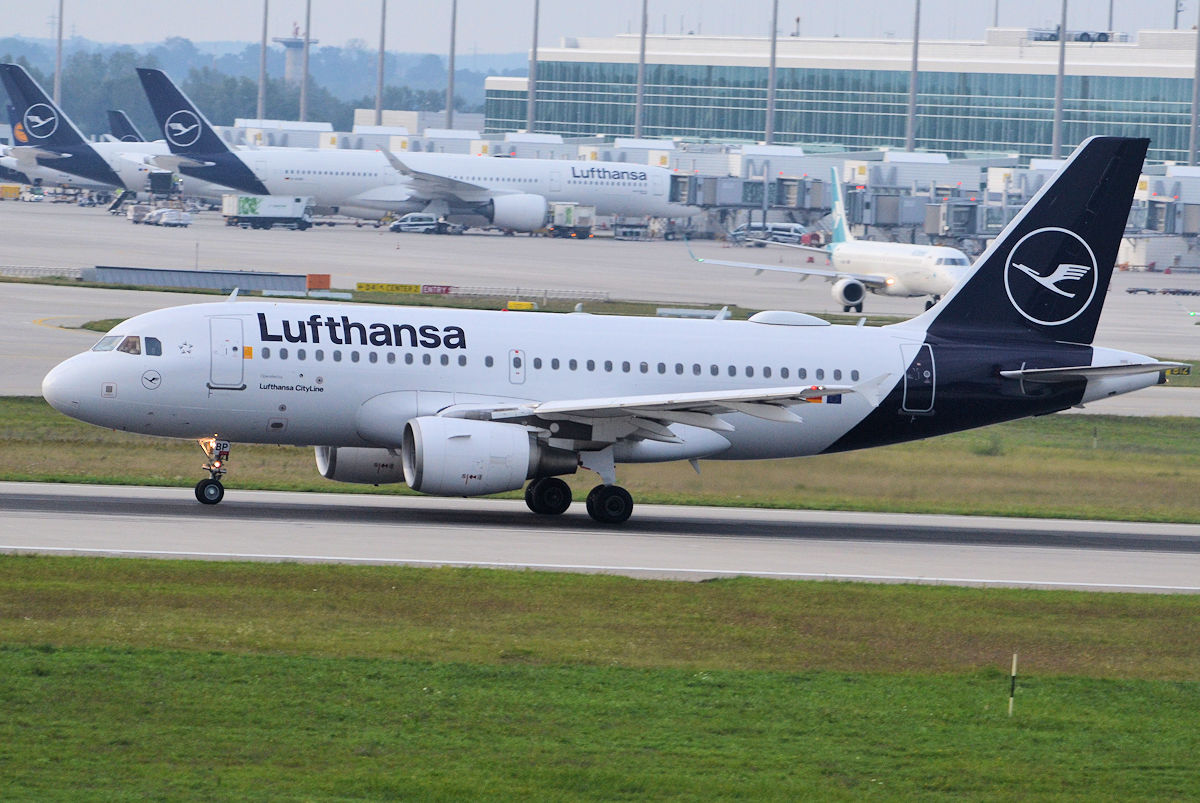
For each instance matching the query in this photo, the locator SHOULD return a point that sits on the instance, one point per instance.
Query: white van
(779, 232)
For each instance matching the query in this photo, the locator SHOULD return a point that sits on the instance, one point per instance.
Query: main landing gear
(607, 504)
(929, 304)
(216, 452)
(852, 307)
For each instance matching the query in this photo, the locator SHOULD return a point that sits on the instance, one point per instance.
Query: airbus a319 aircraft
(859, 266)
(463, 402)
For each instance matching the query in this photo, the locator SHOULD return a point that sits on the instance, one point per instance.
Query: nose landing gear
(216, 452)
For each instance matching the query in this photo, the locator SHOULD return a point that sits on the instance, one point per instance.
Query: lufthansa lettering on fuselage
(290, 388)
(606, 173)
(344, 332)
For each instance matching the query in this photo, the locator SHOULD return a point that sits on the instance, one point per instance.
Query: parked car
(425, 223)
(779, 232)
(169, 217)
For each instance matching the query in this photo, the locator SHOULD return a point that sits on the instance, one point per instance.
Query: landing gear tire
(548, 496)
(209, 492)
(858, 307)
(609, 504)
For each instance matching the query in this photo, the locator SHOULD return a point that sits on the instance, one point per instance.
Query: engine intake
(464, 457)
(848, 292)
(525, 212)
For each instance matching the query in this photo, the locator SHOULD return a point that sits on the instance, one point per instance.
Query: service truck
(570, 220)
(265, 211)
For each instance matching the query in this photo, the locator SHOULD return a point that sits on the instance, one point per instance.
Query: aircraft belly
(757, 439)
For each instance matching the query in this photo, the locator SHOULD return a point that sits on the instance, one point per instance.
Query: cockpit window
(154, 347)
(107, 343)
(131, 345)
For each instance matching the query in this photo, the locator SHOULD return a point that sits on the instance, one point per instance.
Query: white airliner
(467, 402)
(888, 269)
(508, 193)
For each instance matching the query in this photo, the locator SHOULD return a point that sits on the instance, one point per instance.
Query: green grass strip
(137, 679)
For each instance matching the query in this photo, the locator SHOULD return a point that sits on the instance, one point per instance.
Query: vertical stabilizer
(1047, 273)
(188, 133)
(841, 232)
(42, 127)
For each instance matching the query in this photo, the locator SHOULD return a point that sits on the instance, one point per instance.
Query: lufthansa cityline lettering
(345, 332)
(606, 173)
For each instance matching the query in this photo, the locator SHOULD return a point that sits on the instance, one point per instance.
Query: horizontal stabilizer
(172, 161)
(29, 154)
(1077, 372)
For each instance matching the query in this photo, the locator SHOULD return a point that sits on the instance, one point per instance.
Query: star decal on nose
(185, 348)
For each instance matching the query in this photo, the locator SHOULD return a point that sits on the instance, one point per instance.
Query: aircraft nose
(60, 389)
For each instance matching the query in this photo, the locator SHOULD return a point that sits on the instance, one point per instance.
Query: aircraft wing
(432, 185)
(868, 279)
(650, 416)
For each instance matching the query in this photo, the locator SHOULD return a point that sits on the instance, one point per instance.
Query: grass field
(131, 679)
(1057, 466)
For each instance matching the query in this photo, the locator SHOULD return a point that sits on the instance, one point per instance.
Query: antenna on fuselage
(233, 295)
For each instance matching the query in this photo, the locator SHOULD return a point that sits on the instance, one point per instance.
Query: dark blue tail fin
(121, 127)
(1047, 273)
(41, 125)
(189, 134)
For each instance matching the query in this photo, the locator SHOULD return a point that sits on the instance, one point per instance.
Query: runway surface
(687, 543)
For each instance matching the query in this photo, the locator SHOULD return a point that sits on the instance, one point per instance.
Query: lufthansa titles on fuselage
(606, 173)
(344, 332)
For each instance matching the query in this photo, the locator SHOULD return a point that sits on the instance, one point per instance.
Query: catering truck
(266, 211)
(570, 220)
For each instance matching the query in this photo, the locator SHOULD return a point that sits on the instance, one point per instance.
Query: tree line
(96, 79)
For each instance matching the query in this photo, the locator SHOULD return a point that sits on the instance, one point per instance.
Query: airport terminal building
(974, 97)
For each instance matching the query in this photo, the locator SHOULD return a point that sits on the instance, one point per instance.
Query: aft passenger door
(919, 378)
(227, 354)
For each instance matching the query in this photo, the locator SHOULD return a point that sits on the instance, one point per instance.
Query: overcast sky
(506, 26)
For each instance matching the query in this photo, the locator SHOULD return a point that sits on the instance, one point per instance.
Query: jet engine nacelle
(465, 457)
(354, 464)
(848, 292)
(520, 212)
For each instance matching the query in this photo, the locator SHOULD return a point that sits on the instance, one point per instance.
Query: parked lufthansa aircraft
(509, 193)
(49, 146)
(467, 402)
(888, 269)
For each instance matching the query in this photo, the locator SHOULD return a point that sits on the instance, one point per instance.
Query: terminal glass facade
(957, 113)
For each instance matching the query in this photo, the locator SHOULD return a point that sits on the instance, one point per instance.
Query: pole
(450, 78)
(379, 69)
(531, 96)
(1056, 141)
(58, 59)
(1175, 24)
(910, 127)
(304, 77)
(1192, 138)
(1012, 685)
(640, 95)
(996, 13)
(770, 133)
(262, 67)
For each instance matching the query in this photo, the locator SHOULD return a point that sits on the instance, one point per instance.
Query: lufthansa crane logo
(1051, 276)
(182, 128)
(40, 121)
